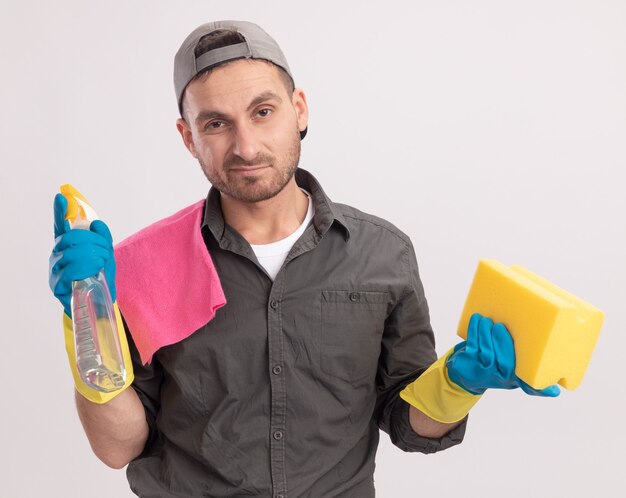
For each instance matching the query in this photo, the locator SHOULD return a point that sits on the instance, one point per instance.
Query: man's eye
(214, 125)
(264, 112)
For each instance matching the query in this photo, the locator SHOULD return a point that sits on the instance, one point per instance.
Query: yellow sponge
(554, 331)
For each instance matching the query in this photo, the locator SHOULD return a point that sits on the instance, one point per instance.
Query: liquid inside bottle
(99, 357)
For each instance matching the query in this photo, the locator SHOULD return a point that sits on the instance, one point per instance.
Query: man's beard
(253, 188)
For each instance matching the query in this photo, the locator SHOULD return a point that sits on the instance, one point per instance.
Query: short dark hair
(224, 38)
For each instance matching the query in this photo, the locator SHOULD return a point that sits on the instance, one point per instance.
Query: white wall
(482, 129)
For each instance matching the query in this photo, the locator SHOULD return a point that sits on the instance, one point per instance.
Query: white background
(480, 128)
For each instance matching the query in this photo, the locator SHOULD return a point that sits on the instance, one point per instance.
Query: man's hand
(487, 360)
(449, 388)
(78, 254)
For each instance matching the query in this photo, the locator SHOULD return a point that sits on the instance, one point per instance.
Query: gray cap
(258, 45)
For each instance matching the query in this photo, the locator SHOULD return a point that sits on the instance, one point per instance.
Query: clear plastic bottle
(99, 358)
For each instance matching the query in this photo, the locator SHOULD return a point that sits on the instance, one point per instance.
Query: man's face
(244, 128)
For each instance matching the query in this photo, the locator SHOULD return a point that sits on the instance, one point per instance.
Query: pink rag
(167, 286)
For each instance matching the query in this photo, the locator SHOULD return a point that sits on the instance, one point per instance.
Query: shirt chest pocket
(352, 325)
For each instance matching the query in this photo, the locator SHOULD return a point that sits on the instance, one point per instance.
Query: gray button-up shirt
(283, 393)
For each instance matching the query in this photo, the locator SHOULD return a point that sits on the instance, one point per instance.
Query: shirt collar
(326, 211)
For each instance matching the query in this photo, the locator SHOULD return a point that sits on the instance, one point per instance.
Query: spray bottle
(99, 357)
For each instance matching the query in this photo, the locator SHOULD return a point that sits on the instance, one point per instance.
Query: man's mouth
(248, 170)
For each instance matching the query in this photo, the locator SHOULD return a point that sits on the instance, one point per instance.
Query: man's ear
(185, 133)
(302, 109)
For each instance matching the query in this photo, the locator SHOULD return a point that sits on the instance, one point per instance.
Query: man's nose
(247, 144)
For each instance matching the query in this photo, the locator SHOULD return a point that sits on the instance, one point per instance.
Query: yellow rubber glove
(434, 394)
(89, 393)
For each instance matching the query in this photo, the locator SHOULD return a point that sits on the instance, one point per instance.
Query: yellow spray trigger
(79, 211)
(73, 209)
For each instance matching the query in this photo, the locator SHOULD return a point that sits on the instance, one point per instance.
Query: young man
(284, 391)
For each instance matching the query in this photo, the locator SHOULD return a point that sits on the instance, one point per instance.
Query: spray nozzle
(80, 214)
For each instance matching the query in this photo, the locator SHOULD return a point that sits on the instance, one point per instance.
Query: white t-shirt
(272, 256)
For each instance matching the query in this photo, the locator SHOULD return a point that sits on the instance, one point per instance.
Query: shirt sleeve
(147, 385)
(408, 349)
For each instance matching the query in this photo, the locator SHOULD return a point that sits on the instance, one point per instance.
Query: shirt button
(274, 304)
(277, 370)
(354, 297)
(278, 435)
